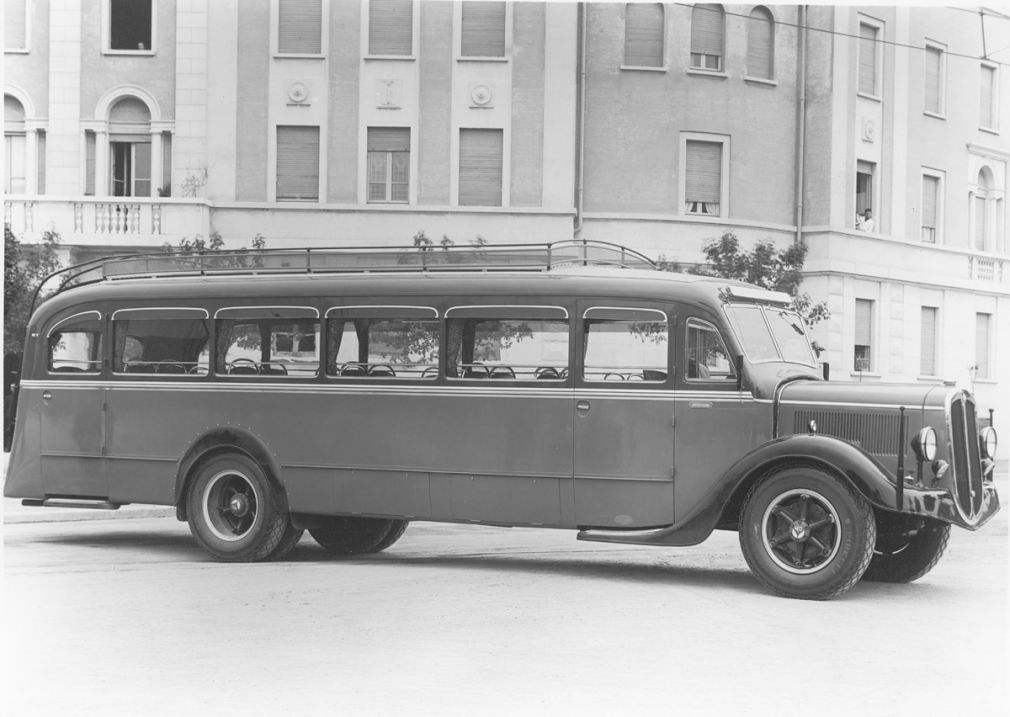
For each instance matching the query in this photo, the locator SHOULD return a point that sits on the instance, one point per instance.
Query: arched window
(130, 148)
(983, 204)
(15, 147)
(761, 44)
(707, 31)
(643, 34)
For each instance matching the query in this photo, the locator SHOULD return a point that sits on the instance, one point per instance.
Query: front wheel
(907, 547)
(234, 511)
(806, 534)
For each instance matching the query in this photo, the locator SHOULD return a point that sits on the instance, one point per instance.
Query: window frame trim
(941, 177)
(27, 48)
(724, 169)
(878, 57)
(107, 33)
(994, 101)
(324, 36)
(415, 26)
(941, 113)
(457, 31)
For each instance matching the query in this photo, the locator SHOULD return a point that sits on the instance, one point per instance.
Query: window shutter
(300, 24)
(704, 172)
(14, 24)
(89, 163)
(706, 30)
(390, 27)
(760, 31)
(388, 139)
(934, 58)
(480, 167)
(930, 189)
(864, 322)
(988, 82)
(867, 59)
(483, 29)
(927, 344)
(298, 163)
(643, 35)
(982, 345)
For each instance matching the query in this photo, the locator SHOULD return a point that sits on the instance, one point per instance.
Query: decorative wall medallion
(298, 93)
(388, 94)
(869, 130)
(481, 95)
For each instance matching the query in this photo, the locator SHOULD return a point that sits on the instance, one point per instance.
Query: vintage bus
(348, 392)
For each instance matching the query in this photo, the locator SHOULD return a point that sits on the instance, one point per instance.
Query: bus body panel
(72, 431)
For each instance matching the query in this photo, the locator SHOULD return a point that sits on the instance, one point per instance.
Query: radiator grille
(965, 454)
(877, 434)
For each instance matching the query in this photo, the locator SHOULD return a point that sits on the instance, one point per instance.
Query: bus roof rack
(312, 260)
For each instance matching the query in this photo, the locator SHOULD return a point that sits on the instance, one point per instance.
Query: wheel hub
(238, 505)
(799, 531)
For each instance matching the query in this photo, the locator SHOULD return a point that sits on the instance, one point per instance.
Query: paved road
(127, 617)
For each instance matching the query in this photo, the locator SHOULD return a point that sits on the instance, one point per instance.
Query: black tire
(287, 543)
(806, 534)
(907, 547)
(233, 509)
(353, 536)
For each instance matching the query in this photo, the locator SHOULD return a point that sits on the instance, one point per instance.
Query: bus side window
(76, 346)
(707, 357)
(268, 347)
(383, 342)
(625, 350)
(163, 346)
(501, 348)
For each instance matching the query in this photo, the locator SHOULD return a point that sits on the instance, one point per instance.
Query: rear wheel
(806, 534)
(350, 536)
(907, 547)
(234, 511)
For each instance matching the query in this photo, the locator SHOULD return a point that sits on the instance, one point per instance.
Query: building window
(935, 79)
(15, 24)
(707, 37)
(868, 59)
(130, 23)
(15, 147)
(931, 208)
(986, 210)
(300, 27)
(391, 27)
(988, 94)
(297, 164)
(482, 31)
(928, 341)
(703, 178)
(480, 167)
(130, 148)
(865, 172)
(761, 44)
(864, 336)
(643, 35)
(982, 345)
(388, 164)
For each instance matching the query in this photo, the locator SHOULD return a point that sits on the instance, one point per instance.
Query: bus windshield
(769, 333)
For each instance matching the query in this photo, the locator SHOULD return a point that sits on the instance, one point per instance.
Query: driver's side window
(707, 357)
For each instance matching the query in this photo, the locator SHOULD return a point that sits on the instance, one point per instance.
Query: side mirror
(738, 364)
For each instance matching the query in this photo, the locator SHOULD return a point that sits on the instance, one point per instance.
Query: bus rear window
(169, 346)
(76, 347)
(268, 347)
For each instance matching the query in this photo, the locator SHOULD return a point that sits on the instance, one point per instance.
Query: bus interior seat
(505, 372)
(273, 369)
(352, 369)
(381, 370)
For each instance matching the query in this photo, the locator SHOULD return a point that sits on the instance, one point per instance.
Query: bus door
(623, 415)
(70, 404)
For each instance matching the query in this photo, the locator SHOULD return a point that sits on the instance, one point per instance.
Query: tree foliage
(25, 266)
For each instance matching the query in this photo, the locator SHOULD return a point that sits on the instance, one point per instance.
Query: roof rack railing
(312, 260)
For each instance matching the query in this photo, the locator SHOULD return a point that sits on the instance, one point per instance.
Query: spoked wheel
(805, 534)
(351, 536)
(233, 509)
(907, 548)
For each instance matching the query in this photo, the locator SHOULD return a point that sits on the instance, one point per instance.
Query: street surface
(126, 616)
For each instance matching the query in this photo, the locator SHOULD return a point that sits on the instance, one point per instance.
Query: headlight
(987, 441)
(925, 444)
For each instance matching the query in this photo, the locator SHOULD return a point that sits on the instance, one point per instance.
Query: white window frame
(878, 58)
(107, 32)
(941, 189)
(774, 28)
(324, 38)
(29, 6)
(724, 140)
(941, 112)
(874, 337)
(994, 129)
(389, 170)
(989, 347)
(874, 193)
(457, 30)
(701, 69)
(937, 342)
(661, 67)
(415, 19)
(133, 172)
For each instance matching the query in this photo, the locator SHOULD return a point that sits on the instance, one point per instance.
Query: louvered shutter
(388, 139)
(480, 167)
(704, 172)
(390, 27)
(759, 44)
(927, 343)
(988, 85)
(933, 59)
(89, 163)
(483, 29)
(706, 30)
(297, 163)
(982, 345)
(643, 35)
(14, 24)
(300, 27)
(864, 321)
(867, 59)
(930, 189)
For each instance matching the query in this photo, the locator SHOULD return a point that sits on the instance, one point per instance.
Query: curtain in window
(480, 167)
(867, 59)
(930, 190)
(707, 30)
(390, 27)
(933, 60)
(760, 44)
(643, 35)
(482, 29)
(927, 344)
(297, 163)
(864, 322)
(300, 27)
(704, 170)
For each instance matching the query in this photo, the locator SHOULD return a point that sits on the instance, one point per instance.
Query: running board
(67, 503)
(635, 537)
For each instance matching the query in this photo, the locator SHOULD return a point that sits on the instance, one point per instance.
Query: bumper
(940, 504)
